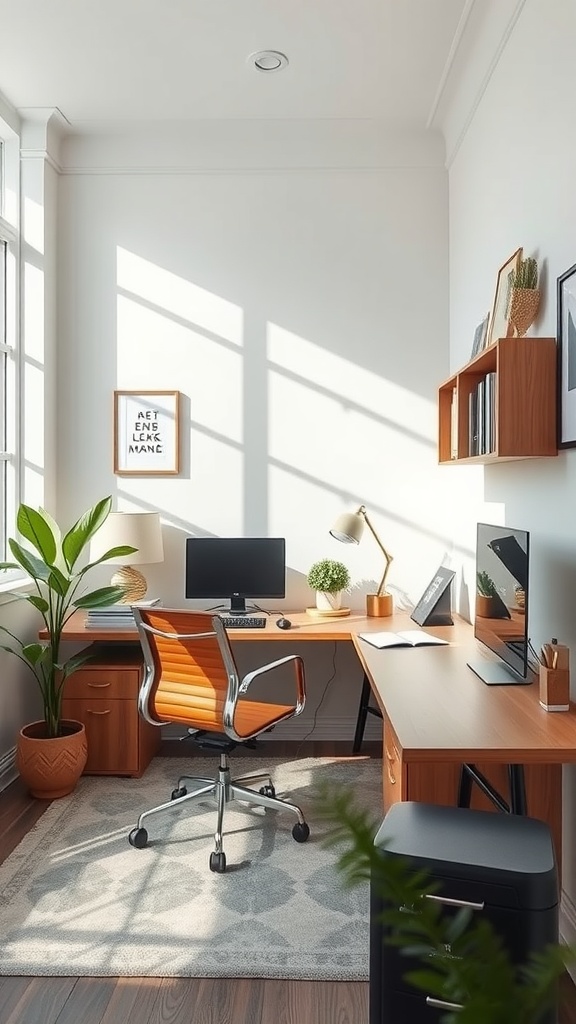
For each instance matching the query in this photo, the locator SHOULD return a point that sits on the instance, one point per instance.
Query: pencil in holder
(555, 688)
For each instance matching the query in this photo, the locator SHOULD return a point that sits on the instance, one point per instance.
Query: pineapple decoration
(524, 297)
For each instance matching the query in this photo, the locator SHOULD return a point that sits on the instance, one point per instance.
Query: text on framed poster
(146, 433)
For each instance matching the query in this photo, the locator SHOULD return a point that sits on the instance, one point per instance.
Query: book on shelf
(406, 638)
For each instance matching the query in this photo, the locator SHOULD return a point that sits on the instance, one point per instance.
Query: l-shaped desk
(437, 713)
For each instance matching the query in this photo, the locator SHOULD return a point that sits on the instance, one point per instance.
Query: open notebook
(407, 638)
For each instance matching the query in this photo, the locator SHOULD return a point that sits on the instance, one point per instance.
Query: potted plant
(328, 578)
(487, 598)
(524, 296)
(51, 753)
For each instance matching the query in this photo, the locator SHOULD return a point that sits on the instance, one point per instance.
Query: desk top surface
(434, 702)
(304, 627)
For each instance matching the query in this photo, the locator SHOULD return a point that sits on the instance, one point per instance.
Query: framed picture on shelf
(499, 321)
(566, 336)
(146, 433)
(480, 335)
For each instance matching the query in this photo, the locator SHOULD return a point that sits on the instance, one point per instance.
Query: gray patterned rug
(77, 899)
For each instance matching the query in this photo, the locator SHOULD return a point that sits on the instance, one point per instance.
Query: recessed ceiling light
(268, 60)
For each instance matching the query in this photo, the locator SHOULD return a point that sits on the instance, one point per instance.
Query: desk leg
(364, 709)
(469, 773)
(518, 804)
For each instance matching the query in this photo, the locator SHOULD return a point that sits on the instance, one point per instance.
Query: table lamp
(140, 530)
(349, 528)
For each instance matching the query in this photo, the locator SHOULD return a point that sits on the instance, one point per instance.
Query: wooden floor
(179, 1000)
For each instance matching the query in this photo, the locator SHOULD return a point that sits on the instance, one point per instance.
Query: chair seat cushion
(174, 704)
(252, 716)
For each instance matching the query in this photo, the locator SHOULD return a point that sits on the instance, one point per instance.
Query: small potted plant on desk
(51, 754)
(487, 599)
(329, 578)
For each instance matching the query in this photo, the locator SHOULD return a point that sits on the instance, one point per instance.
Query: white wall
(294, 289)
(512, 184)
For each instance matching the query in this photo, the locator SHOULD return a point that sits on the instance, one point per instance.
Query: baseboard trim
(8, 770)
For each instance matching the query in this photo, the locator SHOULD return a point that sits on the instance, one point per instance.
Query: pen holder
(555, 688)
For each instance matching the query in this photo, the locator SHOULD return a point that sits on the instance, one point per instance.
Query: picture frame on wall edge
(146, 433)
(480, 336)
(499, 321)
(566, 339)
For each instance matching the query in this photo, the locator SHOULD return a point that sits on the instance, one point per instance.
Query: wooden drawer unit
(103, 695)
(394, 782)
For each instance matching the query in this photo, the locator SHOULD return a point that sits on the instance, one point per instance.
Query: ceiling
(155, 60)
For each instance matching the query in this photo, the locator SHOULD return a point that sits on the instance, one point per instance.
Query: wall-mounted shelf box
(521, 374)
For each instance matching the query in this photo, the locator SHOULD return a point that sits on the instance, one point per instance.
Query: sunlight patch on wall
(354, 438)
(33, 224)
(178, 297)
(34, 318)
(209, 374)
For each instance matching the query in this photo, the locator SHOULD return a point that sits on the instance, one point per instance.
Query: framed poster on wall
(146, 433)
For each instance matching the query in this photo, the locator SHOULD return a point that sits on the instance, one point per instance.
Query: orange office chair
(191, 677)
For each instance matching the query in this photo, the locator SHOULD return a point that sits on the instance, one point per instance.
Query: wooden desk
(437, 712)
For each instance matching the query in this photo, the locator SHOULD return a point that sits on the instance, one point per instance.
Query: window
(9, 380)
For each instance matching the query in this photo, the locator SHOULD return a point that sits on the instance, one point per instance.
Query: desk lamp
(140, 530)
(349, 528)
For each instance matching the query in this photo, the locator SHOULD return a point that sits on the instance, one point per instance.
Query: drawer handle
(441, 1004)
(455, 903)
(91, 712)
(99, 686)
(390, 762)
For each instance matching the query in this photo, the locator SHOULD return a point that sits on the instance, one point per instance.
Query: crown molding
(444, 78)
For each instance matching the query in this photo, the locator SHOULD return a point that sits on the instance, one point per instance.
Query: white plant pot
(325, 601)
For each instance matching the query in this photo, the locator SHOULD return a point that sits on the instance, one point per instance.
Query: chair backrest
(190, 673)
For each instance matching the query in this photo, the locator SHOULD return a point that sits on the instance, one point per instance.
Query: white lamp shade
(139, 530)
(348, 528)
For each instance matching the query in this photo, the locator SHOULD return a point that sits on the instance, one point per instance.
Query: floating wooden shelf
(524, 405)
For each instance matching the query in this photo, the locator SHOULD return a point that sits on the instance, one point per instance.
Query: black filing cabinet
(502, 863)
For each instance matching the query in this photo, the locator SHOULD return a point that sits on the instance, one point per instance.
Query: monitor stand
(496, 673)
(237, 606)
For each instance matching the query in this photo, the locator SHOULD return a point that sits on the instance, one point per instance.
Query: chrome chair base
(223, 789)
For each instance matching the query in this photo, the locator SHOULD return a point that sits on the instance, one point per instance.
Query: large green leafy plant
(463, 961)
(53, 567)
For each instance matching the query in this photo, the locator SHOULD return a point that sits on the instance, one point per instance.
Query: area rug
(77, 899)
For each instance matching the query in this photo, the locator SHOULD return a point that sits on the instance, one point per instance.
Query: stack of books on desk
(116, 616)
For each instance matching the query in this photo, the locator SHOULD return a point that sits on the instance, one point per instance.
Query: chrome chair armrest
(298, 663)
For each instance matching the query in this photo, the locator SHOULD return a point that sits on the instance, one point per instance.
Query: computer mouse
(283, 623)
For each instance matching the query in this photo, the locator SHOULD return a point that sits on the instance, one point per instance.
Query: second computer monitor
(235, 568)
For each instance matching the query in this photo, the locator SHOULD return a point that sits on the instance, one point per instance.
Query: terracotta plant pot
(51, 767)
(487, 607)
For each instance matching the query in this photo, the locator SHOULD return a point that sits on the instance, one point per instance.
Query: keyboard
(244, 621)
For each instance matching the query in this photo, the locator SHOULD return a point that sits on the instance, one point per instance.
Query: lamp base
(379, 606)
(133, 581)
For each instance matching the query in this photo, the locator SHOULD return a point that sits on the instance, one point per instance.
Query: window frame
(10, 388)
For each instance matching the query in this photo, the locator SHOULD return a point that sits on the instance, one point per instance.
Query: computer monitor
(501, 611)
(235, 568)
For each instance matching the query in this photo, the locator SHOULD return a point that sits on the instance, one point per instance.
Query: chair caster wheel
(138, 838)
(300, 832)
(267, 791)
(177, 793)
(218, 862)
